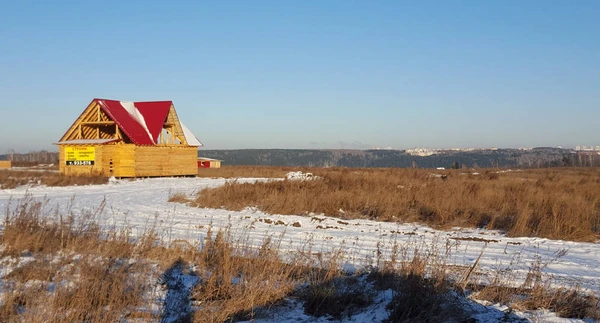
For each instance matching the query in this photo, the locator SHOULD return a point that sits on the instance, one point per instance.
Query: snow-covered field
(139, 204)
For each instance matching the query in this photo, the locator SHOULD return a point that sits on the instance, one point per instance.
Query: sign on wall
(80, 155)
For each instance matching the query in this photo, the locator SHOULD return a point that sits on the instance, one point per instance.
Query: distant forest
(534, 158)
(31, 158)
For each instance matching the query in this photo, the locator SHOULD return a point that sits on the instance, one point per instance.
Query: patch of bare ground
(557, 203)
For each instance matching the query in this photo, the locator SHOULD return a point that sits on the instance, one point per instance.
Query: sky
(310, 74)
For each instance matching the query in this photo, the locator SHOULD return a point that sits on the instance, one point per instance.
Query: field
(549, 203)
(306, 258)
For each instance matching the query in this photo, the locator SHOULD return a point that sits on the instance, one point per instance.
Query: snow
(8, 265)
(191, 139)
(141, 204)
(300, 176)
(292, 311)
(179, 284)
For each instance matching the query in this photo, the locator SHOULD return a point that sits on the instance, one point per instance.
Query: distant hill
(537, 157)
(533, 158)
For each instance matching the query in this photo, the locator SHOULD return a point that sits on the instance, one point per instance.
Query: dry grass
(237, 281)
(550, 203)
(14, 178)
(421, 299)
(245, 171)
(83, 273)
(80, 272)
(103, 291)
(178, 197)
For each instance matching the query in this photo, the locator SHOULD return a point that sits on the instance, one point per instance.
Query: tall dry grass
(550, 203)
(245, 171)
(82, 272)
(13, 178)
(235, 281)
(79, 272)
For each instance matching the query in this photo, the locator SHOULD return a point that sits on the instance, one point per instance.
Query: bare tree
(11, 154)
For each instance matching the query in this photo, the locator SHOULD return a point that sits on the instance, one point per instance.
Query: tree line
(500, 158)
(30, 158)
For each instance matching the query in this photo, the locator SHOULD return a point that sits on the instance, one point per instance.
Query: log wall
(174, 160)
(128, 160)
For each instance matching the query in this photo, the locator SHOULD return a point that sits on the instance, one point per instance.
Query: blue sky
(310, 74)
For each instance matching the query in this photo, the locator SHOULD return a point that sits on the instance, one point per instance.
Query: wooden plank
(175, 126)
(4, 164)
(122, 159)
(85, 125)
(97, 123)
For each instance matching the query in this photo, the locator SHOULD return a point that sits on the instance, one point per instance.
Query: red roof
(142, 122)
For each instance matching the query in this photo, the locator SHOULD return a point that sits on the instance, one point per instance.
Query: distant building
(204, 162)
(586, 148)
(423, 152)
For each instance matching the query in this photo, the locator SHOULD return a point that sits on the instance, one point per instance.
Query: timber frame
(93, 123)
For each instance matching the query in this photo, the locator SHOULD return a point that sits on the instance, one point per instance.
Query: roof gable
(155, 115)
(140, 123)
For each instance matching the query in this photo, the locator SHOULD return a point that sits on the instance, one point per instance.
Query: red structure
(208, 163)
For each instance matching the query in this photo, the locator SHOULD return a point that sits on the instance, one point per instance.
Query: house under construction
(129, 139)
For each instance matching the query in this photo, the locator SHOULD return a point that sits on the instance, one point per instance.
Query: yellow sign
(80, 155)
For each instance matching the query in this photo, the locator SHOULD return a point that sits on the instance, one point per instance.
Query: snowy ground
(142, 203)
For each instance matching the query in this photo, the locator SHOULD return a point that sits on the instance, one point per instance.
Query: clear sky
(310, 74)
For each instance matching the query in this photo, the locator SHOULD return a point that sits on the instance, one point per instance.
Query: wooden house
(128, 139)
(204, 162)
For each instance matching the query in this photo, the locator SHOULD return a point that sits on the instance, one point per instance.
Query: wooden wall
(123, 161)
(128, 160)
(166, 161)
(5, 164)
